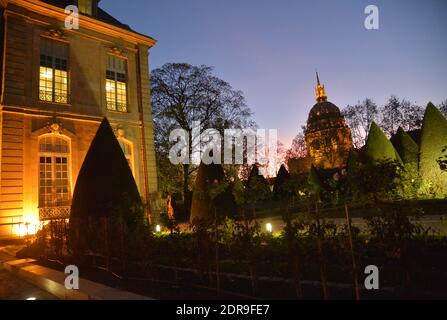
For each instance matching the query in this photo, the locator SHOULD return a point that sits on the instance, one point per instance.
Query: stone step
(53, 282)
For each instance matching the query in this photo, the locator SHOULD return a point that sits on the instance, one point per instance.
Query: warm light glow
(320, 91)
(26, 229)
(269, 227)
(48, 74)
(109, 86)
(158, 228)
(29, 226)
(31, 298)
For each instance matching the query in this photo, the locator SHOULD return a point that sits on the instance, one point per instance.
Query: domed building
(328, 137)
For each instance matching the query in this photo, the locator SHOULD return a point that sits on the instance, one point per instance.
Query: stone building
(57, 85)
(328, 137)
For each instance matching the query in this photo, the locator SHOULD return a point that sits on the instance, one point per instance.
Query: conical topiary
(257, 185)
(201, 201)
(315, 181)
(105, 193)
(225, 202)
(433, 142)
(282, 177)
(378, 147)
(407, 148)
(353, 161)
(255, 173)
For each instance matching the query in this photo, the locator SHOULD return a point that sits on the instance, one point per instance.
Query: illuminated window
(127, 150)
(53, 79)
(116, 84)
(85, 6)
(54, 177)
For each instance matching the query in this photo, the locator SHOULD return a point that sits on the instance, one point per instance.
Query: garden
(230, 255)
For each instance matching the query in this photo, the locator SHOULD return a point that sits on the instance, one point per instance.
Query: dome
(328, 138)
(324, 110)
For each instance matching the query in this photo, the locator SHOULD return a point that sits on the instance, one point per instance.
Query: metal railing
(54, 213)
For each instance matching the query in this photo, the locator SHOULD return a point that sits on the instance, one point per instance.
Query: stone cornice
(84, 21)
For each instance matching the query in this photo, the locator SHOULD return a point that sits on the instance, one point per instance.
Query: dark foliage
(279, 188)
(203, 202)
(433, 142)
(106, 205)
(406, 147)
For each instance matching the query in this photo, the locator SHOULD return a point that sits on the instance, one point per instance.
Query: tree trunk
(175, 260)
(245, 219)
(296, 262)
(253, 278)
(354, 264)
(297, 268)
(185, 182)
(323, 274)
(199, 256)
(217, 254)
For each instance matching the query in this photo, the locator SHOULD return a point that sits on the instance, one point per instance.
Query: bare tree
(400, 113)
(412, 115)
(298, 148)
(443, 107)
(182, 94)
(391, 116)
(359, 118)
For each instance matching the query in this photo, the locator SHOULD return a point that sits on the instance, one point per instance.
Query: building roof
(101, 15)
(324, 110)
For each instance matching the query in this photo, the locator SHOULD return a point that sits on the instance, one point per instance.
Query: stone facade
(28, 125)
(298, 166)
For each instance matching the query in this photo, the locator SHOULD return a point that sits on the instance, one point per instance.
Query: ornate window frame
(56, 129)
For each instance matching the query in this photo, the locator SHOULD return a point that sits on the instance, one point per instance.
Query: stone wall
(23, 118)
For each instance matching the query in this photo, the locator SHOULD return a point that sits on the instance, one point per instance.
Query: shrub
(106, 211)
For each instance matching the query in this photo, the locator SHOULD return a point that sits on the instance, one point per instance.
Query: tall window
(127, 150)
(54, 178)
(116, 84)
(53, 84)
(85, 6)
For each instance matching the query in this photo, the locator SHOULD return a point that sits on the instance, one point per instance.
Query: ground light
(269, 227)
(31, 298)
(158, 228)
(29, 227)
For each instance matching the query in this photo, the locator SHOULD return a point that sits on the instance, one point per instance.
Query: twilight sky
(270, 49)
